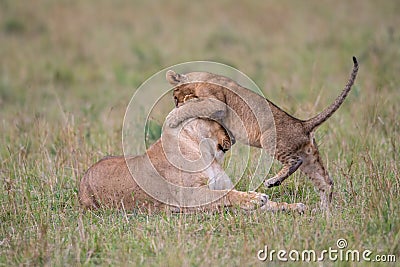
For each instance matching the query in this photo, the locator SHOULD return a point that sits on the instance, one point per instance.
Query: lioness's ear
(175, 78)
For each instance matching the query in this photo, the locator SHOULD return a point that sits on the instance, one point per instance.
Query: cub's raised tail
(316, 121)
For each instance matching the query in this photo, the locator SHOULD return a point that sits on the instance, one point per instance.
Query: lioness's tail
(314, 122)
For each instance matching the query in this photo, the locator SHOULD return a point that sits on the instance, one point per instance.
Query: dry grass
(67, 69)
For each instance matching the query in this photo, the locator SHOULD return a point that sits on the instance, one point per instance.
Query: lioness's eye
(176, 101)
(220, 147)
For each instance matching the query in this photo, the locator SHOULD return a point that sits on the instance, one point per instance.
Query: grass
(68, 69)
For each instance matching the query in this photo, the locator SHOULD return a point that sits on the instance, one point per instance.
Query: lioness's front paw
(263, 199)
(250, 201)
(299, 207)
(259, 199)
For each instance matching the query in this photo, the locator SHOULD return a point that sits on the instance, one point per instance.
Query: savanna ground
(69, 68)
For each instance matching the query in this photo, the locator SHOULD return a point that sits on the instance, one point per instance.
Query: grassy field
(69, 68)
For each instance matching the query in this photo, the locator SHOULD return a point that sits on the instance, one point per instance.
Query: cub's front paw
(172, 120)
(272, 182)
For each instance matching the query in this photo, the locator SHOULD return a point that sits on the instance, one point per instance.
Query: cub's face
(180, 90)
(182, 94)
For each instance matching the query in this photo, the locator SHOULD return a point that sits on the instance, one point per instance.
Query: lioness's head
(195, 143)
(216, 130)
(201, 128)
(220, 135)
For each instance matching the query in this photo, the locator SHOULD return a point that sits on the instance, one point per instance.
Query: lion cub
(155, 182)
(221, 98)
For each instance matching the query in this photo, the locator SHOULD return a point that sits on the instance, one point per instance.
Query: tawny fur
(219, 97)
(109, 184)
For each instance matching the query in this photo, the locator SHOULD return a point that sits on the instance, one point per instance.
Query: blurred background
(86, 58)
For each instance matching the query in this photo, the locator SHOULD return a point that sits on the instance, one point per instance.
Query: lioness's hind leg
(232, 199)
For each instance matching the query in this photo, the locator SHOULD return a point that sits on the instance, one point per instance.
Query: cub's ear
(175, 78)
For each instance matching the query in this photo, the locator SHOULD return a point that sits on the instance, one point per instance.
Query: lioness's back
(106, 183)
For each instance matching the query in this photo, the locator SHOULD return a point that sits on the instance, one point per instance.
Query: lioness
(157, 183)
(218, 97)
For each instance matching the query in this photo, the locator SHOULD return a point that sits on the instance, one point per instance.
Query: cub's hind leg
(321, 181)
(314, 168)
